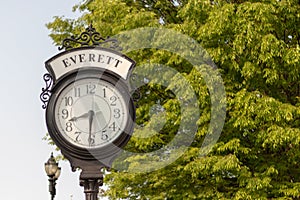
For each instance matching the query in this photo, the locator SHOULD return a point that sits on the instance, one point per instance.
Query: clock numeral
(69, 127)
(68, 101)
(113, 100)
(77, 137)
(65, 113)
(117, 113)
(104, 135)
(91, 140)
(113, 126)
(90, 88)
(77, 92)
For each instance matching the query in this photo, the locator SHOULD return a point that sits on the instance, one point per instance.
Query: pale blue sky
(24, 47)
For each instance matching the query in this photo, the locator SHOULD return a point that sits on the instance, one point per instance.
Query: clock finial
(90, 37)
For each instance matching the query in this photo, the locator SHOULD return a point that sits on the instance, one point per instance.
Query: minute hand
(91, 118)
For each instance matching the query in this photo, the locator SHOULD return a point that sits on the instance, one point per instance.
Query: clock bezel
(112, 147)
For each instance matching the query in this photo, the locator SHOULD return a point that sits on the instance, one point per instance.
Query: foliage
(256, 46)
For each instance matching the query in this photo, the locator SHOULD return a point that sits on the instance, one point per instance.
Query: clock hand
(94, 108)
(100, 118)
(85, 115)
(98, 122)
(91, 114)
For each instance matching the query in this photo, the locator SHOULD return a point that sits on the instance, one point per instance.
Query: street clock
(90, 114)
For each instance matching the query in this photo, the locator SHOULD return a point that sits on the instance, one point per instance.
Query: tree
(255, 45)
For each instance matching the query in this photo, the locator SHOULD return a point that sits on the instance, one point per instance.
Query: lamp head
(51, 167)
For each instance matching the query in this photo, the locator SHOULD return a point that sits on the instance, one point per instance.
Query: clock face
(91, 113)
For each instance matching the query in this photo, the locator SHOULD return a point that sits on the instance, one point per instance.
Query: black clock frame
(75, 154)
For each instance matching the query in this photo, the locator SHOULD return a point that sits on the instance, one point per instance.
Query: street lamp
(53, 172)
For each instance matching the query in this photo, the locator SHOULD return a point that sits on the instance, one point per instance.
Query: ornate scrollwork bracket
(90, 37)
(46, 91)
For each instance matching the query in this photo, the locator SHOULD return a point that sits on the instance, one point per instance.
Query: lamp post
(53, 172)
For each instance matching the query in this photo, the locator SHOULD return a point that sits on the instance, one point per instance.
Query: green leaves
(255, 45)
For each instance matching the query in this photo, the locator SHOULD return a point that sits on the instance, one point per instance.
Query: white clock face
(91, 113)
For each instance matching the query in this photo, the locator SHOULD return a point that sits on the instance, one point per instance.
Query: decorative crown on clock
(90, 37)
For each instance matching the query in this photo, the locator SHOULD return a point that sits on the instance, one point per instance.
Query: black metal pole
(52, 189)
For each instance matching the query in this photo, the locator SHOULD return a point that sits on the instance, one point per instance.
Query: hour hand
(85, 115)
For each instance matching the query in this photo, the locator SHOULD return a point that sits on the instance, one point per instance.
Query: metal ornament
(89, 38)
(46, 91)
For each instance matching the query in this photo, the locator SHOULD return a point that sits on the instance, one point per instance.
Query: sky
(24, 47)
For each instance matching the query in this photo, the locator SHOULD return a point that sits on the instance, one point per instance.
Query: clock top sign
(83, 57)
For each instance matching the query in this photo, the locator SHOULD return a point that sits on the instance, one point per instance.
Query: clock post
(91, 186)
(89, 110)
